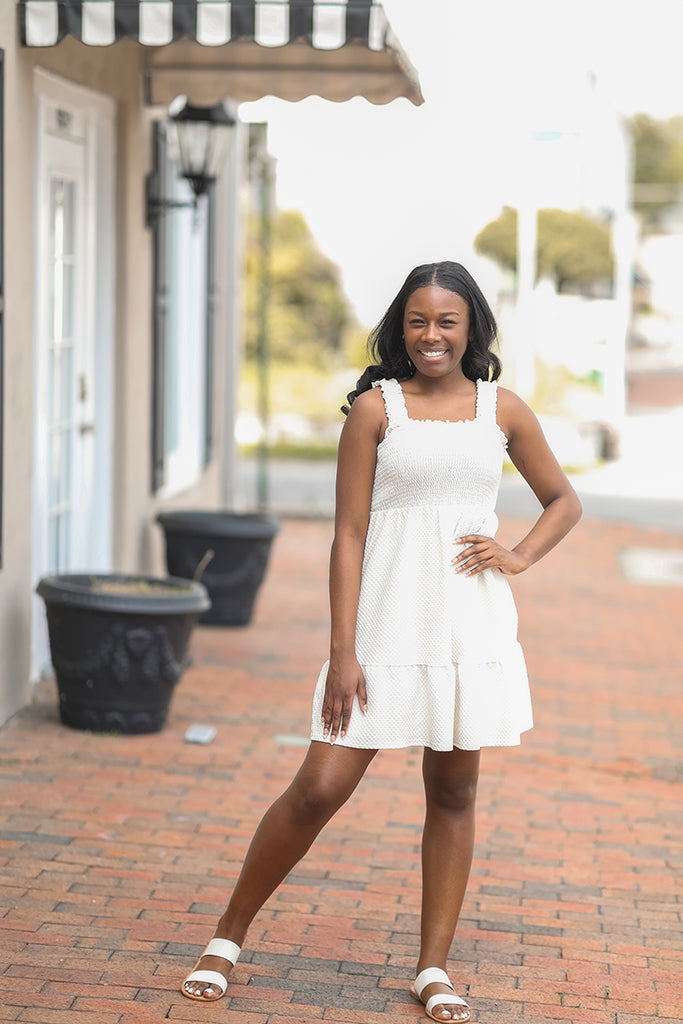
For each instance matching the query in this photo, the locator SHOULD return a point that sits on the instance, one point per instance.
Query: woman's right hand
(355, 475)
(345, 680)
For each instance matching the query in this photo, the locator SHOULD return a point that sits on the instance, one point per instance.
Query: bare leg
(325, 781)
(450, 780)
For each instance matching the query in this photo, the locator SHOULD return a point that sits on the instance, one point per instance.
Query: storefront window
(183, 329)
(2, 276)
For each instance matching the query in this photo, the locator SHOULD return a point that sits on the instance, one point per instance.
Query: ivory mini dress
(438, 649)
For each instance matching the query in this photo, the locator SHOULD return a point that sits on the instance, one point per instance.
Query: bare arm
(530, 453)
(355, 475)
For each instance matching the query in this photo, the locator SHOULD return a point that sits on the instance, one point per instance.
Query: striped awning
(242, 49)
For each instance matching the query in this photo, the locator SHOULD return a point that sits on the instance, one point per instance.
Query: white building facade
(120, 328)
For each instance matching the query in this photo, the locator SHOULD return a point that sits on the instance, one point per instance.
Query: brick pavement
(116, 853)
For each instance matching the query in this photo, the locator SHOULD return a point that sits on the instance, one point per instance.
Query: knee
(453, 796)
(314, 802)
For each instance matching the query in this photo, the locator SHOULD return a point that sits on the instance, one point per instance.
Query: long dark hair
(386, 346)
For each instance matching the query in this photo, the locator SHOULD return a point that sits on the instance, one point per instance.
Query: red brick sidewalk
(116, 853)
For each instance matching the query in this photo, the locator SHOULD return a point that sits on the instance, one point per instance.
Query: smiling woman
(436, 329)
(423, 639)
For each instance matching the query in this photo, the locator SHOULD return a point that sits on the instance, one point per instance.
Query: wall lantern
(199, 138)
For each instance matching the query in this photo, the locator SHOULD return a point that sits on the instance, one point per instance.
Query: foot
(441, 1011)
(209, 978)
(429, 985)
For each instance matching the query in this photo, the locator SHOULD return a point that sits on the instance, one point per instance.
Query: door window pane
(62, 234)
(60, 385)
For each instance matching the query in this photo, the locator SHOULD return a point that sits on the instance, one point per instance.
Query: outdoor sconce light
(200, 139)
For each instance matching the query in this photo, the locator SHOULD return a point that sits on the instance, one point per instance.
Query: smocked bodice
(439, 462)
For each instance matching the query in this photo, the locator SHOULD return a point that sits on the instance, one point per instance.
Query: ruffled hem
(467, 705)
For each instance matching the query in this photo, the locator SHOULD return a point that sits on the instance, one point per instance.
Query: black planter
(119, 646)
(241, 546)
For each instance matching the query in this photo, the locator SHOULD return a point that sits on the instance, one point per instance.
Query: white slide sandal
(226, 950)
(428, 977)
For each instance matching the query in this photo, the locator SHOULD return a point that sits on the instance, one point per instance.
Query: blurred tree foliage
(657, 161)
(573, 249)
(310, 316)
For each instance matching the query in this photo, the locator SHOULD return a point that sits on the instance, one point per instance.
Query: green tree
(309, 313)
(573, 249)
(658, 162)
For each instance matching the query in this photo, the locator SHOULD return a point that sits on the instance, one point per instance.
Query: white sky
(387, 187)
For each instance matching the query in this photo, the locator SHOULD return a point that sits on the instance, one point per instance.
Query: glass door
(74, 337)
(63, 392)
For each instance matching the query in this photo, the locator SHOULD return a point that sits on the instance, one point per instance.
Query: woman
(423, 647)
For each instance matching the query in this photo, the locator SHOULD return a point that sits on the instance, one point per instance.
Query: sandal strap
(429, 976)
(210, 977)
(226, 949)
(443, 999)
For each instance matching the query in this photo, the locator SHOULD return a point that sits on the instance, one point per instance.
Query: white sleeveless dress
(439, 650)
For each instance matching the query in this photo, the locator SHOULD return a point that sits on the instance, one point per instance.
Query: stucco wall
(136, 541)
(15, 575)
(116, 71)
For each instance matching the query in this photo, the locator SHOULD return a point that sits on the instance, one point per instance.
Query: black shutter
(2, 272)
(156, 185)
(210, 383)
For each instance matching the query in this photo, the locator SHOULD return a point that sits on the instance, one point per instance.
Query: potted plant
(230, 551)
(119, 646)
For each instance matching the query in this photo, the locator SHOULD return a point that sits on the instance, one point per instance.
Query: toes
(207, 993)
(455, 1015)
(195, 990)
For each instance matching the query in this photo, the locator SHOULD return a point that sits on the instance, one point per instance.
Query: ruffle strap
(487, 400)
(487, 404)
(394, 402)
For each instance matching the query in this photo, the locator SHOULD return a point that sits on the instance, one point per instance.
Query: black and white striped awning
(245, 49)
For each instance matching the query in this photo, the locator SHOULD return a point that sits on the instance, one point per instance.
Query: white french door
(65, 411)
(71, 515)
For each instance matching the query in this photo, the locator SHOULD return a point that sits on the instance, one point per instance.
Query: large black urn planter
(119, 646)
(240, 543)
